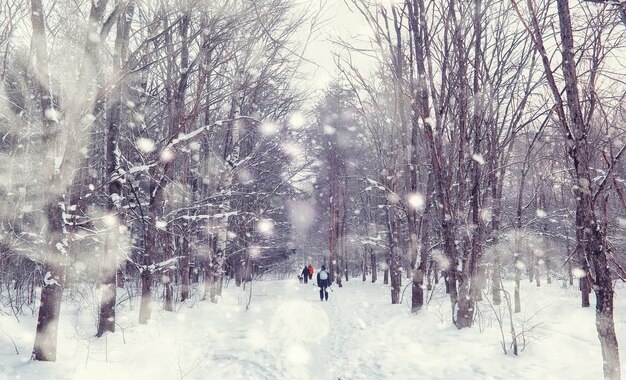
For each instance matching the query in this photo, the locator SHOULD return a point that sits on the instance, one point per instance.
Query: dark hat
(323, 267)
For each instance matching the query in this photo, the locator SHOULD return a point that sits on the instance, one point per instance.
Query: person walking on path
(311, 271)
(323, 281)
(305, 274)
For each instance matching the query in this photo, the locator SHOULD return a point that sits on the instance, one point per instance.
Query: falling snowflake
(297, 120)
(110, 220)
(166, 155)
(265, 227)
(245, 176)
(145, 145)
(486, 215)
(302, 214)
(269, 128)
(254, 251)
(51, 114)
(478, 158)
(291, 148)
(441, 259)
(416, 201)
(329, 130)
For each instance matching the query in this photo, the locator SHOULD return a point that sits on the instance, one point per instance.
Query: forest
(458, 163)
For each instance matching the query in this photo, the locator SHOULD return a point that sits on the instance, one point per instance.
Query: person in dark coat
(323, 281)
(305, 274)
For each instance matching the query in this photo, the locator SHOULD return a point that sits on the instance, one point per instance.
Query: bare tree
(591, 237)
(45, 346)
(106, 316)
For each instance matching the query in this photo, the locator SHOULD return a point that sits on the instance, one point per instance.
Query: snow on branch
(375, 184)
(608, 172)
(161, 266)
(182, 137)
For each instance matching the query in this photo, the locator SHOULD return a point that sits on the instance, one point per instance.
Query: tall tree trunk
(421, 271)
(418, 286)
(45, 346)
(590, 235)
(496, 195)
(386, 270)
(595, 248)
(331, 234)
(369, 251)
(335, 243)
(150, 248)
(584, 281)
(106, 314)
(185, 251)
(210, 264)
(373, 266)
(160, 175)
(364, 265)
(417, 291)
(168, 242)
(445, 212)
(184, 264)
(231, 157)
(343, 185)
(395, 272)
(463, 310)
(55, 260)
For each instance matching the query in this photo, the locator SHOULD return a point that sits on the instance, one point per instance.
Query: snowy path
(348, 337)
(347, 331)
(289, 334)
(315, 339)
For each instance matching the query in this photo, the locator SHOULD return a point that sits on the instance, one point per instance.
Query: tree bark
(590, 235)
(54, 263)
(595, 247)
(185, 251)
(106, 314)
(395, 273)
(373, 266)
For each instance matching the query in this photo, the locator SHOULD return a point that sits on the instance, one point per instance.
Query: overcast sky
(338, 21)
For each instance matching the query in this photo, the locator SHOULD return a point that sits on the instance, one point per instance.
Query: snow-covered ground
(289, 334)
